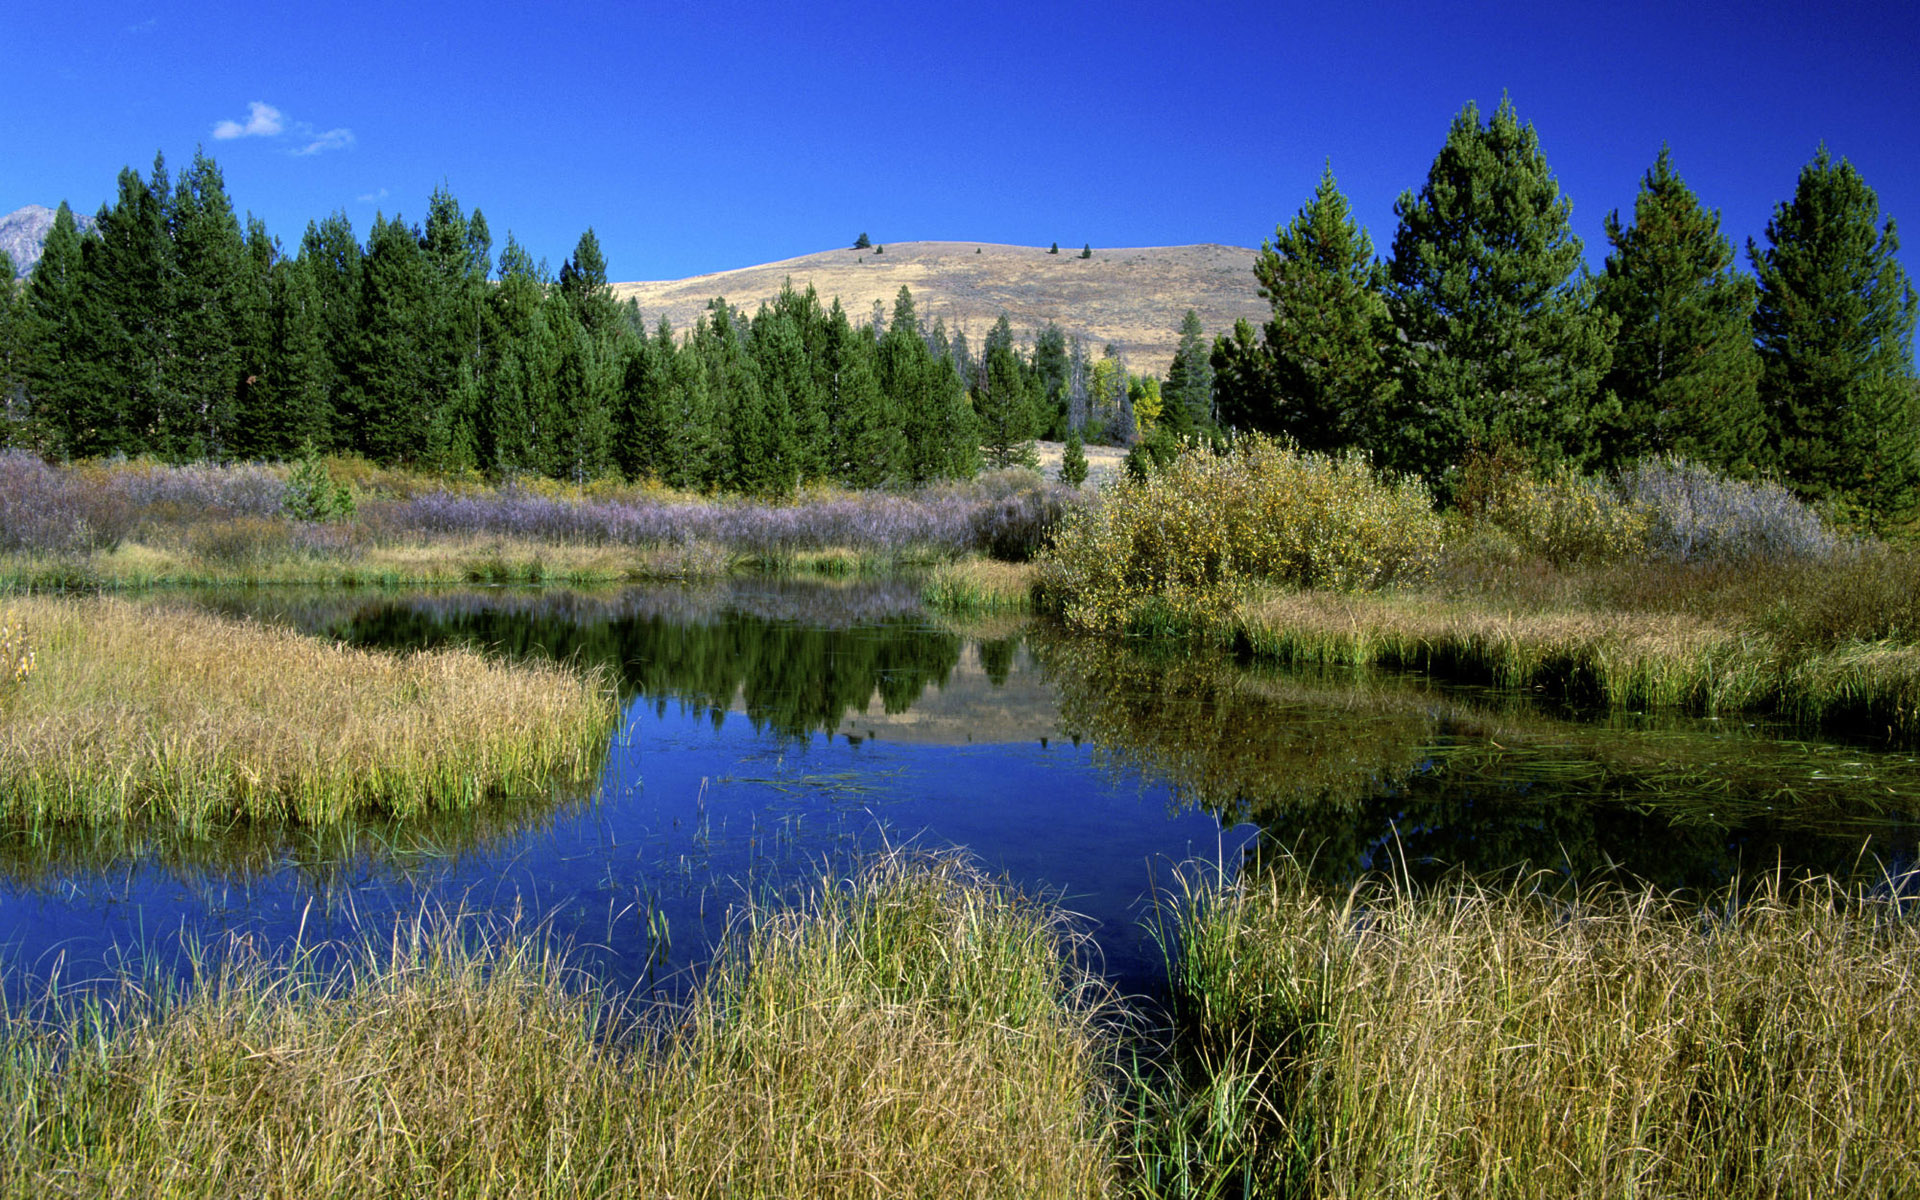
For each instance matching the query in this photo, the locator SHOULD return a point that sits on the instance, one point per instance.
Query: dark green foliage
(1052, 368)
(13, 407)
(1006, 402)
(1329, 323)
(1188, 393)
(46, 327)
(1684, 368)
(116, 342)
(939, 438)
(1243, 382)
(1152, 453)
(391, 373)
(289, 403)
(1499, 342)
(862, 242)
(1835, 325)
(1054, 249)
(1073, 461)
(1086, 251)
(210, 302)
(866, 445)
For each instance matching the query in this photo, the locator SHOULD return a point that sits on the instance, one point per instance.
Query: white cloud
(266, 121)
(263, 120)
(332, 139)
(373, 197)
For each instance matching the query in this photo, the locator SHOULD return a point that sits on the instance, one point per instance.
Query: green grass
(146, 715)
(912, 1031)
(1476, 1041)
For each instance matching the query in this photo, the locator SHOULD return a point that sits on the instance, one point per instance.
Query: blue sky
(705, 136)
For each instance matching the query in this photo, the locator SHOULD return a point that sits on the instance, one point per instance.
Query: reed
(912, 1031)
(978, 585)
(1476, 1041)
(147, 714)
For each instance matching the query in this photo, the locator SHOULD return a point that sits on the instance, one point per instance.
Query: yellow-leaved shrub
(1174, 551)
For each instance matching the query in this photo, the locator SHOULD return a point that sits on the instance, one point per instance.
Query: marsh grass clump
(1177, 548)
(1474, 1040)
(146, 714)
(974, 585)
(915, 1030)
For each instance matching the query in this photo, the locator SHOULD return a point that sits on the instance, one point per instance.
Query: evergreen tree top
(1489, 231)
(1324, 237)
(1829, 251)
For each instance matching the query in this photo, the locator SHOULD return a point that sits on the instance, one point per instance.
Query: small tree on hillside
(862, 242)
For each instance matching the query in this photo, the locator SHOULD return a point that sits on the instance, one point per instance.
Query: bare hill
(1133, 297)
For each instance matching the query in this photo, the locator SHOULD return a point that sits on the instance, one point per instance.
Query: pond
(774, 730)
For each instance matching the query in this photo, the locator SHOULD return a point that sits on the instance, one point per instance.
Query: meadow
(141, 524)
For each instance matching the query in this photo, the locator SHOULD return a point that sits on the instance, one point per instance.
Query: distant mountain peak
(23, 234)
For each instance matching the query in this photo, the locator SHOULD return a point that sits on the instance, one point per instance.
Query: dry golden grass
(146, 713)
(914, 1032)
(1476, 1042)
(1132, 297)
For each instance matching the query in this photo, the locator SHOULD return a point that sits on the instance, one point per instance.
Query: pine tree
(394, 380)
(121, 330)
(1243, 383)
(1684, 367)
(46, 328)
(1051, 367)
(1189, 388)
(1329, 324)
(13, 408)
(331, 256)
(1835, 325)
(212, 307)
(1499, 342)
(865, 430)
(1073, 461)
(1005, 402)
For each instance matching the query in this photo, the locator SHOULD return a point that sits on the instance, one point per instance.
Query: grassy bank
(1668, 587)
(1474, 1042)
(144, 714)
(920, 1031)
(914, 1032)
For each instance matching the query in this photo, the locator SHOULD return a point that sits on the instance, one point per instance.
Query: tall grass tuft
(1493, 1041)
(914, 1031)
(180, 718)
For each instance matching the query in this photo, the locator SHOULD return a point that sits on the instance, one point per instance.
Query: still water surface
(773, 731)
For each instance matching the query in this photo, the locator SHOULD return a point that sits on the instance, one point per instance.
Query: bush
(1695, 515)
(312, 495)
(1175, 549)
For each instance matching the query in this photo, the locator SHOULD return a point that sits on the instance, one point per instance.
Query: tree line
(171, 330)
(1483, 331)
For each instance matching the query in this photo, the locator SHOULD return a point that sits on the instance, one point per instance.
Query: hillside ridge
(1130, 296)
